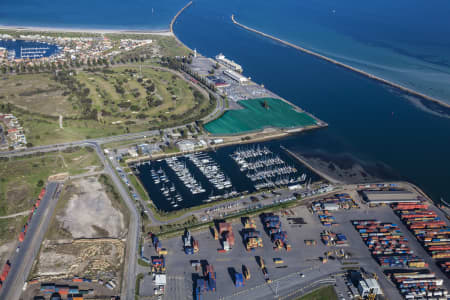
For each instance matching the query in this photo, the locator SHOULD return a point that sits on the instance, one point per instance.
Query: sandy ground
(92, 258)
(5, 252)
(86, 30)
(90, 214)
(354, 174)
(95, 247)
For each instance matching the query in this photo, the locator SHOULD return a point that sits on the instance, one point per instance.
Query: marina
(188, 180)
(265, 169)
(21, 49)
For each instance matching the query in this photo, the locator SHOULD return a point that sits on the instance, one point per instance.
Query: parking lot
(234, 91)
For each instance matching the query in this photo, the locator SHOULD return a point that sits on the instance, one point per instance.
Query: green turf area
(100, 102)
(326, 293)
(22, 178)
(259, 114)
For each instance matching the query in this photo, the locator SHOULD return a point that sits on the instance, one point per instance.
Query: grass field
(161, 46)
(10, 228)
(19, 177)
(326, 293)
(259, 114)
(33, 91)
(100, 103)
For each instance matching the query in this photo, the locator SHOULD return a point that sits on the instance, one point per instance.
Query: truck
(246, 272)
(260, 262)
(278, 260)
(238, 280)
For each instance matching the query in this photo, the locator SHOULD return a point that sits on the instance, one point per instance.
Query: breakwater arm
(309, 166)
(382, 80)
(176, 16)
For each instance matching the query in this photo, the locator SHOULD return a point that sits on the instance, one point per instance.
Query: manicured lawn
(326, 293)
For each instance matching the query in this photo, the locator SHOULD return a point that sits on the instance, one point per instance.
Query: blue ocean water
(99, 14)
(406, 41)
(370, 124)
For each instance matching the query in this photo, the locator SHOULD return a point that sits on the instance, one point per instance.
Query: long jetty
(382, 80)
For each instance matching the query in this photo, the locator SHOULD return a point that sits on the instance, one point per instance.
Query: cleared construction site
(85, 246)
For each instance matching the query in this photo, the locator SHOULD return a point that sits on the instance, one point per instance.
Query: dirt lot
(86, 235)
(89, 212)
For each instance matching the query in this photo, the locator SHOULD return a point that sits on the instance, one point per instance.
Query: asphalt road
(129, 279)
(22, 261)
(12, 288)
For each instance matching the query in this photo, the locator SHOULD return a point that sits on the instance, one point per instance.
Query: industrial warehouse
(388, 197)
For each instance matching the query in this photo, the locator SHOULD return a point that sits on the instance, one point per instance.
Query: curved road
(19, 272)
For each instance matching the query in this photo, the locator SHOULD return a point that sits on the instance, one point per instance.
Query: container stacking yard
(389, 247)
(432, 232)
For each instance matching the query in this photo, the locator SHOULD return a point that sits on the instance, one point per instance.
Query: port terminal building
(389, 197)
(239, 78)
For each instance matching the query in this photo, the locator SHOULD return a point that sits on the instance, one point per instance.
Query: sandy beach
(85, 30)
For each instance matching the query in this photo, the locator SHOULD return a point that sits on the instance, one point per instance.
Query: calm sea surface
(381, 129)
(370, 124)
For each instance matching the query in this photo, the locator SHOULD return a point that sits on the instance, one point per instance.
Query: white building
(236, 76)
(132, 152)
(186, 146)
(330, 206)
(369, 286)
(159, 279)
(228, 63)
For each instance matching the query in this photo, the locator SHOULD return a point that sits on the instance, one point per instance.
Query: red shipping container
(5, 271)
(21, 236)
(41, 194)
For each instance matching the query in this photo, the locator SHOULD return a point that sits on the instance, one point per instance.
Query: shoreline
(309, 166)
(164, 32)
(348, 67)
